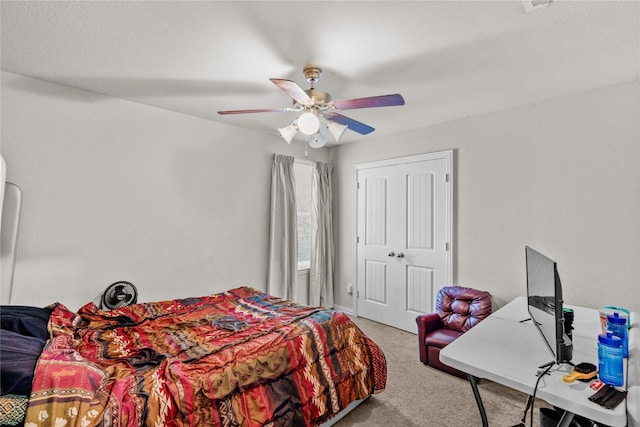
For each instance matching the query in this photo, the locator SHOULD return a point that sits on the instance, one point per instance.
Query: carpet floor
(418, 395)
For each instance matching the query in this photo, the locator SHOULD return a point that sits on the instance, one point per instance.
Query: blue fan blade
(352, 124)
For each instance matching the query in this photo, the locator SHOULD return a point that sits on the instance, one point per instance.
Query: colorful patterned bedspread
(239, 358)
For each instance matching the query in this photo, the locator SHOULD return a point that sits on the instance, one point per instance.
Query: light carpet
(418, 395)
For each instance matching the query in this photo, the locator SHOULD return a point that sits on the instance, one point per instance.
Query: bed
(237, 358)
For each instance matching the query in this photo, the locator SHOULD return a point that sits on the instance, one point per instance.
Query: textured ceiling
(449, 59)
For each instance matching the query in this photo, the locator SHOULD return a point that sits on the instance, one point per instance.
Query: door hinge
(446, 177)
(446, 246)
(358, 239)
(358, 185)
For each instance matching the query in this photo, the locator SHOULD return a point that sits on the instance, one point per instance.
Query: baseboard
(346, 310)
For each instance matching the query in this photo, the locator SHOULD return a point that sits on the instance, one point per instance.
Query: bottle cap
(616, 319)
(610, 340)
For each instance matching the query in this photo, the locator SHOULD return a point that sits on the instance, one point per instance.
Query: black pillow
(19, 354)
(23, 320)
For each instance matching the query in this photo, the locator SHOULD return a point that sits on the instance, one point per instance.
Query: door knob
(400, 255)
(392, 253)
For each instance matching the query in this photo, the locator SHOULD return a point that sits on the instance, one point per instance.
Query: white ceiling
(449, 59)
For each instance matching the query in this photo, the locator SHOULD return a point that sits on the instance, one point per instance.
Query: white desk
(507, 351)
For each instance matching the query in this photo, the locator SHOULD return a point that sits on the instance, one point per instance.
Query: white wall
(562, 176)
(115, 190)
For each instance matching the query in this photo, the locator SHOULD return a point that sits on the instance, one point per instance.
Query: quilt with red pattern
(238, 358)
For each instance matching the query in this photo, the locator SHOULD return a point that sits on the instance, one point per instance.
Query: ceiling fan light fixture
(308, 123)
(288, 132)
(316, 140)
(337, 130)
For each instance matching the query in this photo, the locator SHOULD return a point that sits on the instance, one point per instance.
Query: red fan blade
(259, 110)
(352, 124)
(294, 91)
(372, 101)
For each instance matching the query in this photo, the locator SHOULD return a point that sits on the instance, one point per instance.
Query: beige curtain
(283, 232)
(321, 273)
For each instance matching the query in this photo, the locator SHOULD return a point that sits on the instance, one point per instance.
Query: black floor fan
(119, 294)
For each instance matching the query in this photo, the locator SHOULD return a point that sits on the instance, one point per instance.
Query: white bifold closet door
(403, 237)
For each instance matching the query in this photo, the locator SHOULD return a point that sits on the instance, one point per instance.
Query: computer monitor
(544, 297)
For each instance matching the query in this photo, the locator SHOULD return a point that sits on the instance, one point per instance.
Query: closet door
(403, 234)
(379, 231)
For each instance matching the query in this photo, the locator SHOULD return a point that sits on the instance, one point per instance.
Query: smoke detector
(533, 5)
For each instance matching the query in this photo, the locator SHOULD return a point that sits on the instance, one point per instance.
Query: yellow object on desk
(582, 371)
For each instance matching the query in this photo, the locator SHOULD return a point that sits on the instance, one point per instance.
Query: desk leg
(566, 419)
(476, 393)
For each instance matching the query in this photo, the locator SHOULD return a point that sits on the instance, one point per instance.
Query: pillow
(18, 357)
(23, 320)
(13, 409)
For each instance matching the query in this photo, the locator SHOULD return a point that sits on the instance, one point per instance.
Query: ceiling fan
(319, 113)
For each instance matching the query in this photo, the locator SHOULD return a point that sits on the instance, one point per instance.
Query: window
(302, 171)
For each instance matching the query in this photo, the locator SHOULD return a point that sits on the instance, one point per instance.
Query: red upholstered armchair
(458, 309)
